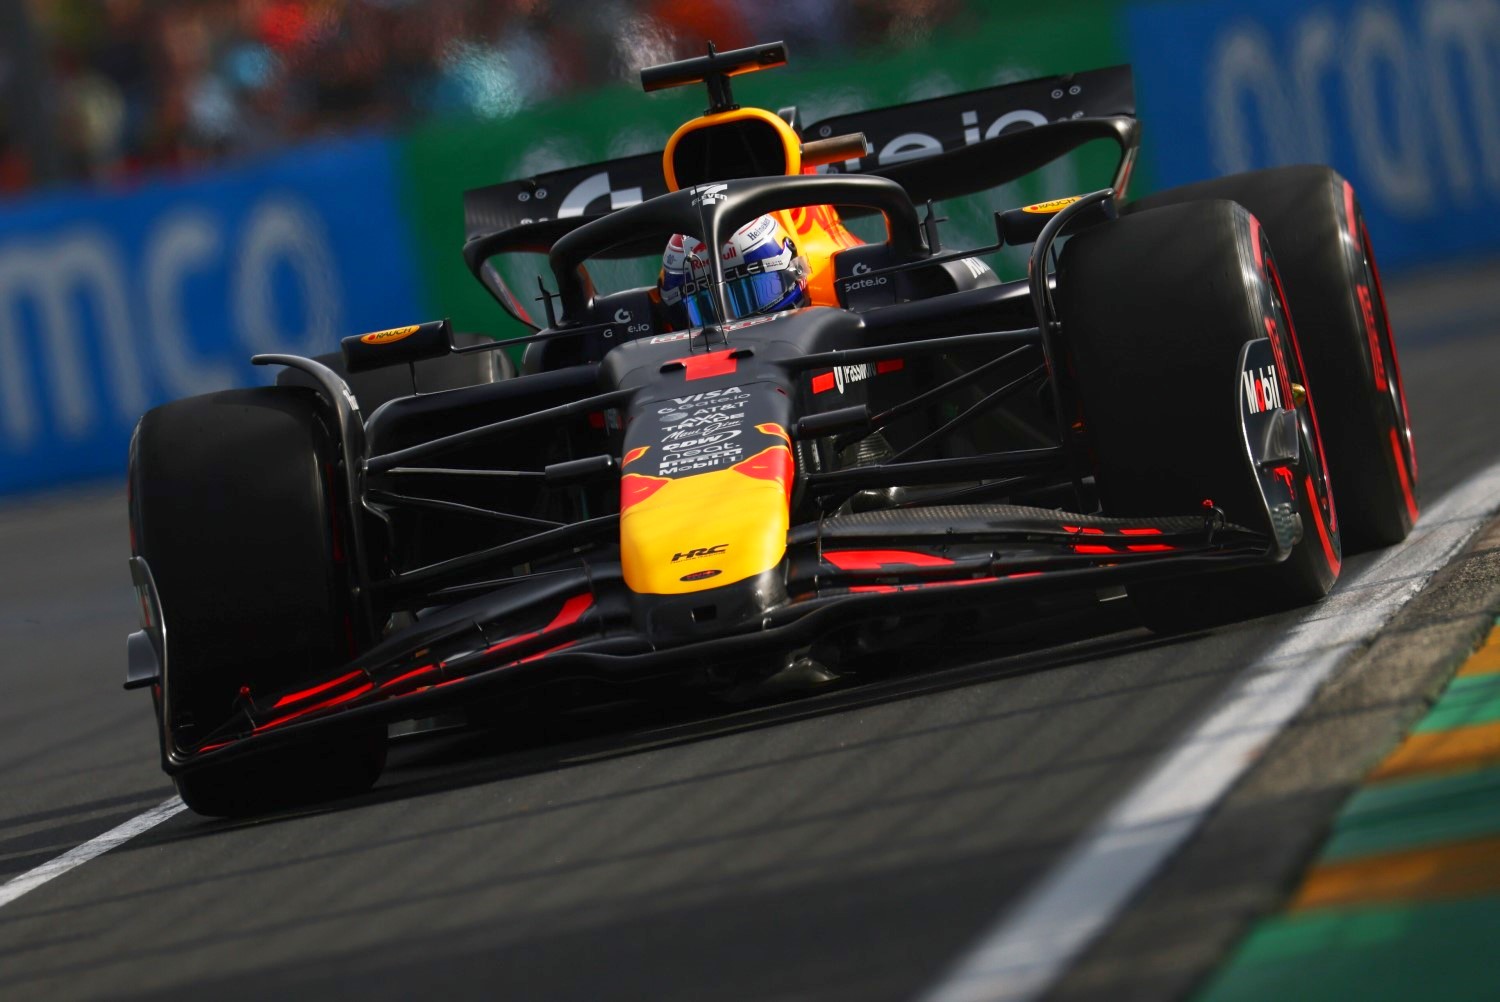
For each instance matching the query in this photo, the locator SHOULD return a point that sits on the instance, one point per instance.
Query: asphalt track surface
(846, 846)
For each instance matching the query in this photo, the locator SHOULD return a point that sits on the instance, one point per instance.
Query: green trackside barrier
(438, 162)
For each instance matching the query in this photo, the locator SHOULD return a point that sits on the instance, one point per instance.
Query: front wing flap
(839, 572)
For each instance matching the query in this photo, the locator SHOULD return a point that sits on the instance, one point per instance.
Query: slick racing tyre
(233, 505)
(1155, 309)
(1332, 287)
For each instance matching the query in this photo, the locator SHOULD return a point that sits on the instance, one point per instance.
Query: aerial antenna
(546, 300)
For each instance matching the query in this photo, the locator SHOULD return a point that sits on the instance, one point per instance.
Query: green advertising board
(440, 161)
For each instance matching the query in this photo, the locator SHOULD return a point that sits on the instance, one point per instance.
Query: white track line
(32, 879)
(1031, 946)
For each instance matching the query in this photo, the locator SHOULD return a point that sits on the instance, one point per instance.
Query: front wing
(578, 624)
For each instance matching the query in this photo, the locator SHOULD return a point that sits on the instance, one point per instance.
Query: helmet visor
(763, 293)
(748, 295)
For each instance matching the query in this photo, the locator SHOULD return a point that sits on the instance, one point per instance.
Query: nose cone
(707, 530)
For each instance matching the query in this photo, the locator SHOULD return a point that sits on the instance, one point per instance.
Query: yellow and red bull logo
(707, 529)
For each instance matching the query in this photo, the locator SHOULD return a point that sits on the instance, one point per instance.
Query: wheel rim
(1403, 450)
(1315, 462)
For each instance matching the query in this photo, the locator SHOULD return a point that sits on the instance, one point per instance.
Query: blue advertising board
(111, 303)
(1401, 96)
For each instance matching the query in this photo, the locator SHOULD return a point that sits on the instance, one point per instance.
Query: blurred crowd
(139, 85)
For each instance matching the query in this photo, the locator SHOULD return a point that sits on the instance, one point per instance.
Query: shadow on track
(438, 762)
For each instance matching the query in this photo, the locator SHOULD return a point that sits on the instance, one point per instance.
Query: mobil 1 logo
(1271, 438)
(1261, 388)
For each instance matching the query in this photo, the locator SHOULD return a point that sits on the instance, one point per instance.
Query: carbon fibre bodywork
(786, 387)
(693, 506)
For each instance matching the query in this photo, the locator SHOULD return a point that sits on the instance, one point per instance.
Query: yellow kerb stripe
(1462, 869)
(1486, 660)
(1439, 751)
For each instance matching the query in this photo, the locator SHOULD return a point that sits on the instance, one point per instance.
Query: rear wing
(966, 143)
(936, 149)
(924, 130)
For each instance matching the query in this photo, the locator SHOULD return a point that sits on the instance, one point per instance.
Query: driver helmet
(763, 273)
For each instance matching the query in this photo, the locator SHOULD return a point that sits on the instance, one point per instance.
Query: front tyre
(309, 773)
(1155, 308)
(234, 505)
(1332, 287)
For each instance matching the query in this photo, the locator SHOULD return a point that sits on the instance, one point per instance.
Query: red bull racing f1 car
(687, 485)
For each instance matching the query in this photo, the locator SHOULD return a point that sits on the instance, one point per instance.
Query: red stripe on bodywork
(823, 383)
(772, 428)
(518, 661)
(550, 650)
(519, 638)
(1140, 532)
(1091, 550)
(889, 365)
(572, 611)
(774, 463)
(297, 697)
(335, 701)
(874, 560)
(408, 676)
(709, 365)
(637, 487)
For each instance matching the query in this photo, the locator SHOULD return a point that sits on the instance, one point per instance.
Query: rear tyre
(233, 506)
(1155, 308)
(1332, 286)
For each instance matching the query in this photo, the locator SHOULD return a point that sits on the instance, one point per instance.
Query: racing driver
(763, 273)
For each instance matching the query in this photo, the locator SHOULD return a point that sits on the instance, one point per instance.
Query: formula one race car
(689, 484)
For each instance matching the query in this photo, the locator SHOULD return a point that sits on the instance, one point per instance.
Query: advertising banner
(112, 303)
(1402, 97)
